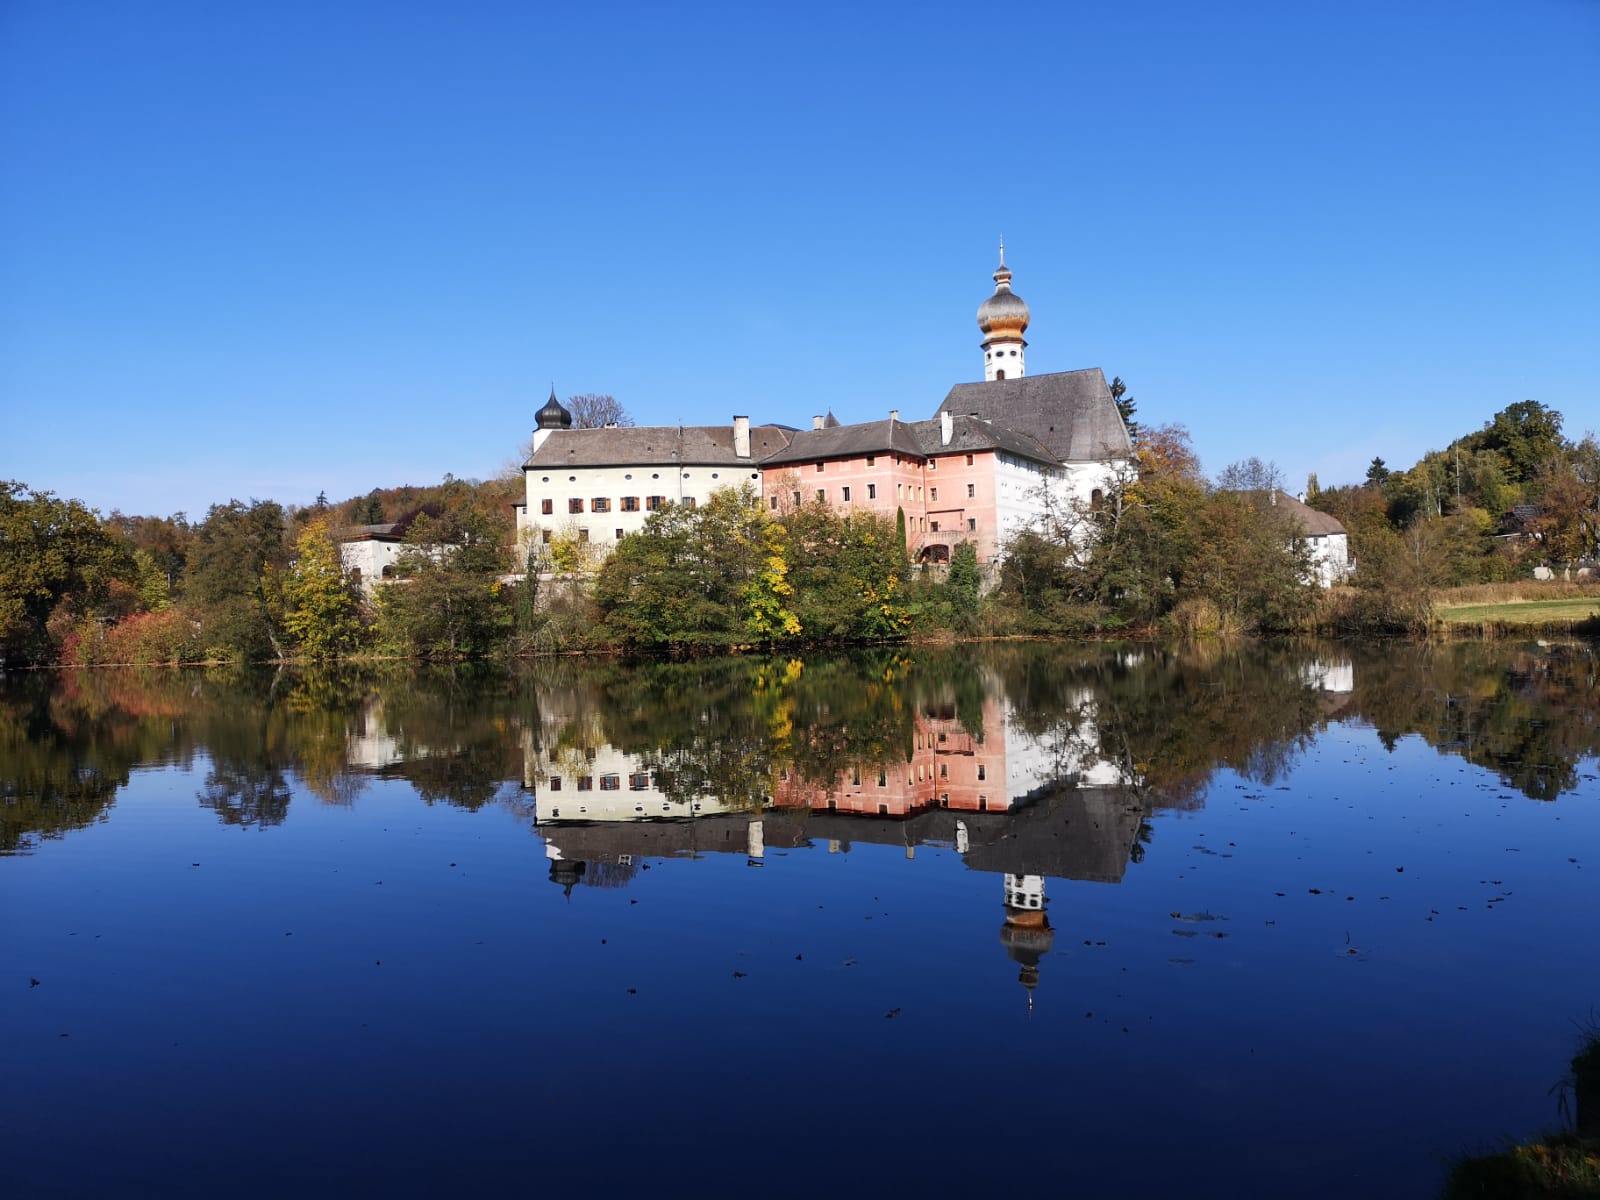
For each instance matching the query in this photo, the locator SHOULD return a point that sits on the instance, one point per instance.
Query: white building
(598, 485)
(368, 553)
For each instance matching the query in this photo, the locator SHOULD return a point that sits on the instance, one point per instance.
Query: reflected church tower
(1026, 935)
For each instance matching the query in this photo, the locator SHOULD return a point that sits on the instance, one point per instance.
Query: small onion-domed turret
(552, 415)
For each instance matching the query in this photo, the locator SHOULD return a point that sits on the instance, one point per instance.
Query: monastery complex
(987, 463)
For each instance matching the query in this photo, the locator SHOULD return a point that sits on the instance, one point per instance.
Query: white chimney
(894, 414)
(741, 436)
(947, 427)
(816, 422)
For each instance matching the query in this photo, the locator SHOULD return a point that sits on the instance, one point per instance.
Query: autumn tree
(322, 610)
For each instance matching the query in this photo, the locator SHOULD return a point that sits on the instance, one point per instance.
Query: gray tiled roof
(1312, 522)
(1070, 412)
(1063, 832)
(973, 433)
(848, 441)
(651, 445)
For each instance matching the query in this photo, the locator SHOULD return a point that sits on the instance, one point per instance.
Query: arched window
(999, 374)
(1097, 499)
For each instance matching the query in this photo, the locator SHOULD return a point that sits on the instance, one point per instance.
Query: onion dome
(1027, 937)
(552, 415)
(1003, 315)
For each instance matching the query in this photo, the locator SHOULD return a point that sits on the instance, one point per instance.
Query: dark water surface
(1267, 921)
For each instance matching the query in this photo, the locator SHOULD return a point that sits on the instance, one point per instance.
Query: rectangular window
(689, 502)
(574, 506)
(899, 491)
(772, 503)
(819, 468)
(547, 507)
(555, 783)
(630, 504)
(969, 460)
(586, 783)
(619, 535)
(872, 460)
(883, 779)
(936, 527)
(933, 493)
(610, 783)
(872, 491)
(583, 535)
(600, 504)
(822, 495)
(972, 491)
(638, 783)
(933, 464)
(655, 503)
(972, 524)
(797, 499)
(983, 772)
(845, 493)
(544, 536)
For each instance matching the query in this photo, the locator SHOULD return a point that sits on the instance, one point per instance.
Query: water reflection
(1023, 741)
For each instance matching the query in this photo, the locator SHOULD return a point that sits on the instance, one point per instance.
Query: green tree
(234, 576)
(1125, 406)
(448, 602)
(322, 608)
(1526, 434)
(54, 554)
(962, 587)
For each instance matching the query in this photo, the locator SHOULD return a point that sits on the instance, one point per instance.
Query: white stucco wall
(571, 801)
(369, 556)
(673, 482)
(1010, 357)
(1330, 558)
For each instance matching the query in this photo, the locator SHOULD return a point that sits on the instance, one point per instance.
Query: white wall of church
(1022, 491)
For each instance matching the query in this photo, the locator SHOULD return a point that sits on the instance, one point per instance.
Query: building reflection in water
(1022, 807)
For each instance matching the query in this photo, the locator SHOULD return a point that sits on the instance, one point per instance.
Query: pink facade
(949, 768)
(947, 498)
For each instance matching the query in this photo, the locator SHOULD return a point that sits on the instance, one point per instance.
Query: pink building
(956, 478)
(948, 768)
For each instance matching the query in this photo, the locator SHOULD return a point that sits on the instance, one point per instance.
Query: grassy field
(1518, 607)
(1518, 612)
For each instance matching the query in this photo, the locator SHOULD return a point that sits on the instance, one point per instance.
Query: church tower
(1003, 317)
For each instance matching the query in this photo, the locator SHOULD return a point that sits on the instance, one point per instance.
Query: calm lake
(1266, 920)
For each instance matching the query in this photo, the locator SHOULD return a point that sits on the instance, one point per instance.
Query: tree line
(1162, 549)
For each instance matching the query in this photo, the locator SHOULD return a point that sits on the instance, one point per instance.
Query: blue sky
(262, 250)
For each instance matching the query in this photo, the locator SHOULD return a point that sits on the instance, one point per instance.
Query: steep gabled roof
(654, 445)
(1070, 412)
(848, 441)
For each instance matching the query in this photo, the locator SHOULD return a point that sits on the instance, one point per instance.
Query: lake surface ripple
(1276, 920)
